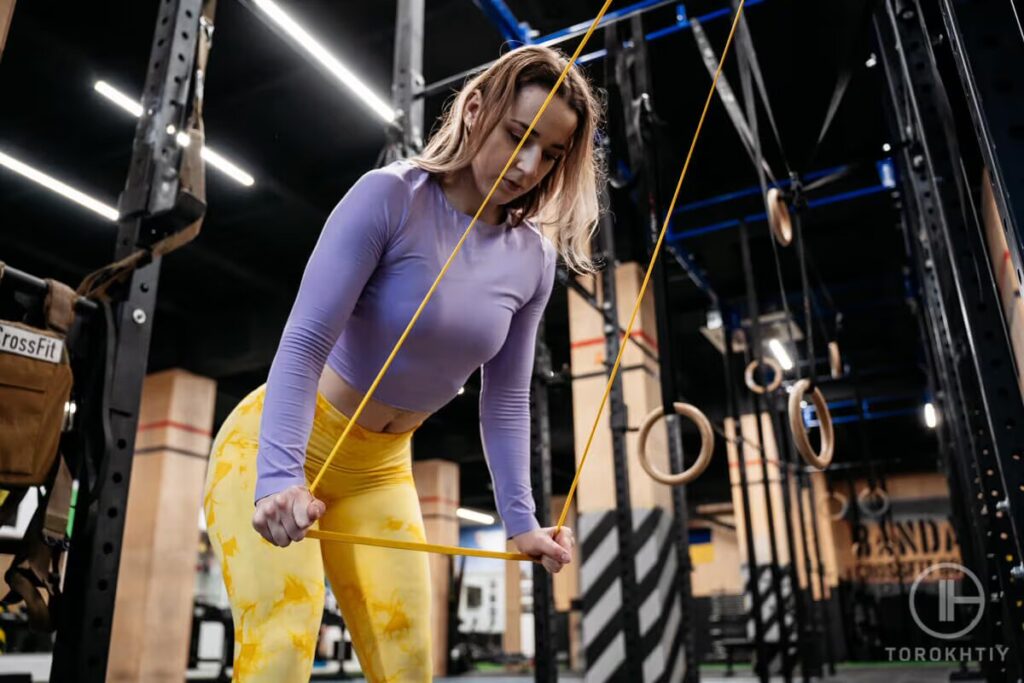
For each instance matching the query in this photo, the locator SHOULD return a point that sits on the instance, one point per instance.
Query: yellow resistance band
(650, 268)
(454, 550)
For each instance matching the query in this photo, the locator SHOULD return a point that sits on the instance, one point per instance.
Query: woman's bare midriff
(376, 416)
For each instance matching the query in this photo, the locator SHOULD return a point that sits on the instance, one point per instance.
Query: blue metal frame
(886, 176)
(609, 17)
(682, 23)
(685, 258)
(674, 237)
(752, 191)
(514, 32)
(810, 420)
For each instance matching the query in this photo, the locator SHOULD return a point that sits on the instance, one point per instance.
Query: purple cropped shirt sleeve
(505, 411)
(350, 246)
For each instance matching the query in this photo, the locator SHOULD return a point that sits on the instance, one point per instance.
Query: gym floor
(849, 674)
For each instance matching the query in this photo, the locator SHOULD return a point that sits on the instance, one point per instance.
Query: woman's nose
(528, 160)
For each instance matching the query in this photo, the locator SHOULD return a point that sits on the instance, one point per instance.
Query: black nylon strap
(747, 44)
(844, 77)
(747, 134)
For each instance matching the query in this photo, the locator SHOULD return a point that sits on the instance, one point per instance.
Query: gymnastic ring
(707, 445)
(748, 376)
(835, 360)
(844, 505)
(821, 460)
(879, 494)
(778, 217)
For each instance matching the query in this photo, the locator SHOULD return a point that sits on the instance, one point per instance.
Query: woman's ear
(471, 110)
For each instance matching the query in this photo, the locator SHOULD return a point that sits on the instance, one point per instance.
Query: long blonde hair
(565, 202)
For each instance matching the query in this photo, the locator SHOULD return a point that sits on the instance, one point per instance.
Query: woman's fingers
(316, 510)
(278, 535)
(556, 551)
(552, 556)
(286, 516)
(551, 565)
(300, 512)
(259, 521)
(566, 539)
(265, 517)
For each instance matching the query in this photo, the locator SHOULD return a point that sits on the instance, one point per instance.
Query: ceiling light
(714, 319)
(887, 147)
(133, 107)
(930, 417)
(51, 183)
(474, 516)
(780, 354)
(318, 52)
(226, 167)
(213, 158)
(872, 61)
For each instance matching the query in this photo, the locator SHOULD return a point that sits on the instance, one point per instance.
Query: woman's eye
(515, 138)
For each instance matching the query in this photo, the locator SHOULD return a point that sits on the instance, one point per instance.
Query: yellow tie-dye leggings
(277, 594)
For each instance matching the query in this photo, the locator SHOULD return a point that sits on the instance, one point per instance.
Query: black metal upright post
(619, 422)
(950, 436)
(755, 351)
(811, 653)
(753, 569)
(823, 589)
(959, 289)
(643, 159)
(147, 206)
(405, 138)
(986, 43)
(545, 643)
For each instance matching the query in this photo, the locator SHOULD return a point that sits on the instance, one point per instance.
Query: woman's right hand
(287, 515)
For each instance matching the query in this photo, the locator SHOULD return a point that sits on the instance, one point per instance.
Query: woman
(379, 252)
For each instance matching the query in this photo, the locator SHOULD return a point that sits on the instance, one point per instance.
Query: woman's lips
(515, 187)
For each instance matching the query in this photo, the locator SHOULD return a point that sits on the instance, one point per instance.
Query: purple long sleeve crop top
(380, 250)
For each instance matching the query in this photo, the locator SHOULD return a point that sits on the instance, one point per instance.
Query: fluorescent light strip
(51, 183)
(213, 158)
(474, 516)
(218, 162)
(320, 53)
(226, 167)
(781, 354)
(131, 106)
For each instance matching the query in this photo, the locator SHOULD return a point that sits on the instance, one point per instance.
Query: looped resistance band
(454, 550)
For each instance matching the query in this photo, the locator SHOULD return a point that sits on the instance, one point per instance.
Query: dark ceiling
(223, 299)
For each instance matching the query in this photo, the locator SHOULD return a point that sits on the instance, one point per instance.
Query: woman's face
(546, 146)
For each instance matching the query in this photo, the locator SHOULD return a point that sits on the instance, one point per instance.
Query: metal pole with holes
(150, 210)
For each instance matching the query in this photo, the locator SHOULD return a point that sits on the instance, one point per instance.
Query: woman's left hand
(554, 553)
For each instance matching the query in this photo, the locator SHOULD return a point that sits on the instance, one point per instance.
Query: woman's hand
(287, 515)
(554, 553)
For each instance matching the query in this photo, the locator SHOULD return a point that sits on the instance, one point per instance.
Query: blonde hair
(565, 202)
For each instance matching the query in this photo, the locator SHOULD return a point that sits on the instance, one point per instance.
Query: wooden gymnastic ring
(778, 217)
(835, 360)
(748, 376)
(874, 513)
(844, 505)
(796, 426)
(707, 445)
